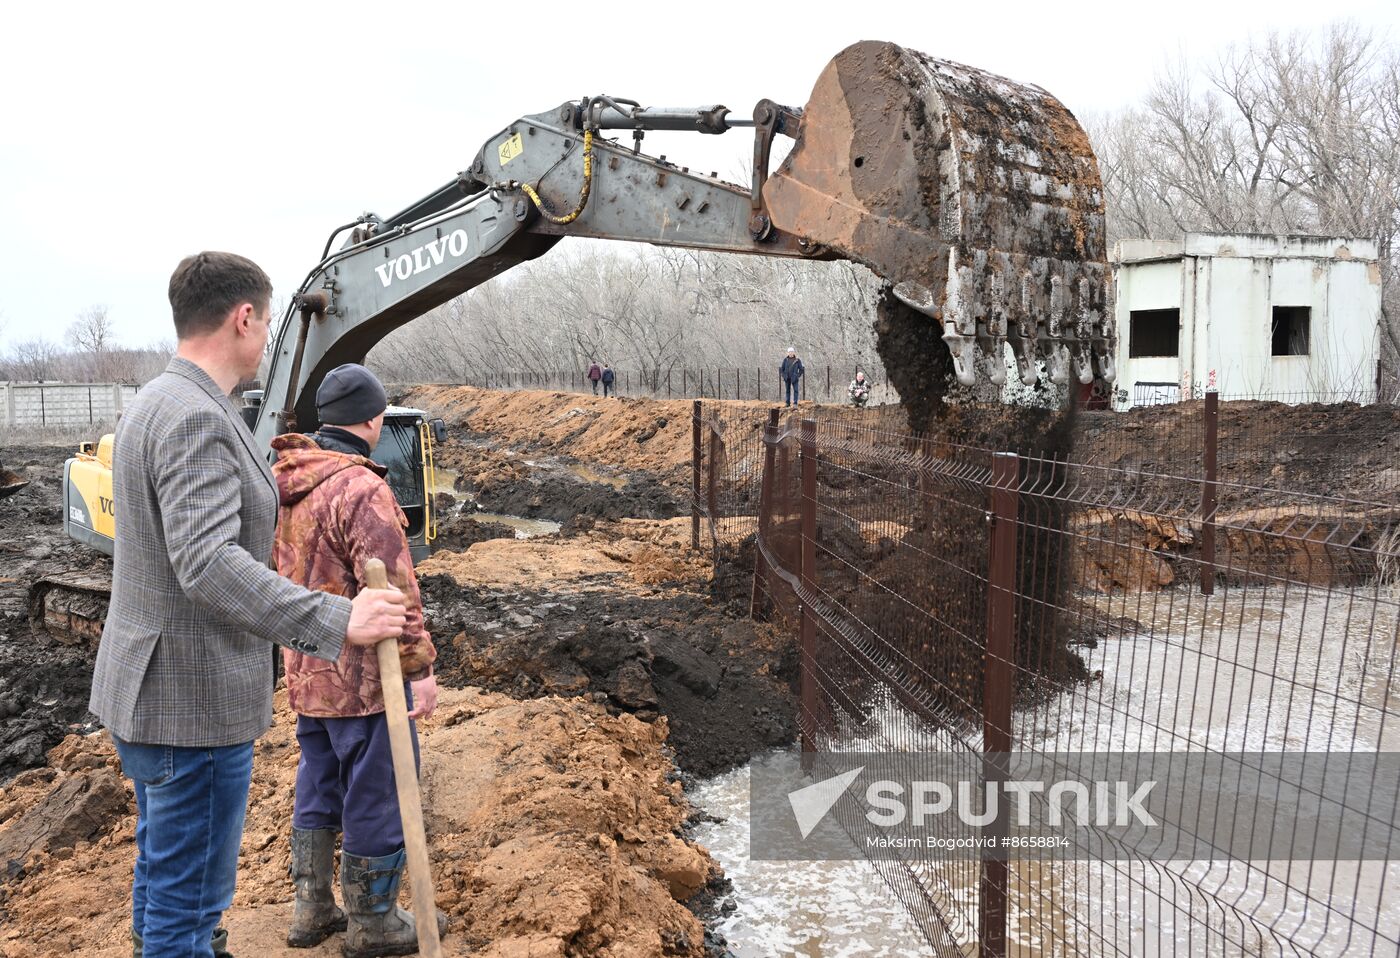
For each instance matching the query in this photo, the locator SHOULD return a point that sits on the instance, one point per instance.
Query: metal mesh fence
(951, 597)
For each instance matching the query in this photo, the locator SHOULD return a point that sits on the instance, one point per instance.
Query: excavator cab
(406, 450)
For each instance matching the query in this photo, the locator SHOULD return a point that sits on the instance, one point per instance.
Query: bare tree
(1288, 133)
(37, 360)
(91, 336)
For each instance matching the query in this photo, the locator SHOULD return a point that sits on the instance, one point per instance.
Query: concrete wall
(1226, 288)
(62, 404)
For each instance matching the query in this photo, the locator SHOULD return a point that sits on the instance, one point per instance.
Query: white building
(1285, 317)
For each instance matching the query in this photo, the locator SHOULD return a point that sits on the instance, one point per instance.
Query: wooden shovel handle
(406, 780)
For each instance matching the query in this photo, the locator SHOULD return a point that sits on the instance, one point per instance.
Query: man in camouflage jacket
(337, 512)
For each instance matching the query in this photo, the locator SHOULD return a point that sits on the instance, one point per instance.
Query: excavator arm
(975, 198)
(978, 199)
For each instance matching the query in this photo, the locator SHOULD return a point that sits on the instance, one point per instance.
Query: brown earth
(645, 435)
(612, 636)
(554, 830)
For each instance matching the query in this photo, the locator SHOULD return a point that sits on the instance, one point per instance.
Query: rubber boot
(377, 927)
(315, 917)
(219, 942)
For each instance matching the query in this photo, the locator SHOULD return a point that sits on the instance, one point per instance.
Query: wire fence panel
(954, 598)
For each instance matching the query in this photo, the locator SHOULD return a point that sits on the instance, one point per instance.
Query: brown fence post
(997, 693)
(765, 507)
(808, 654)
(1208, 493)
(828, 382)
(695, 475)
(712, 487)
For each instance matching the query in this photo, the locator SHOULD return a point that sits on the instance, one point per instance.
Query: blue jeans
(792, 393)
(190, 804)
(345, 781)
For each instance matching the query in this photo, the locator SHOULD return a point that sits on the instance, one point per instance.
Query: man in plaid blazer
(184, 671)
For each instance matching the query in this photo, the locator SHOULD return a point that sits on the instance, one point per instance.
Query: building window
(1153, 332)
(1292, 327)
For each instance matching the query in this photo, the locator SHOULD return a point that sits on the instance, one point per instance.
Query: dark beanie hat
(350, 394)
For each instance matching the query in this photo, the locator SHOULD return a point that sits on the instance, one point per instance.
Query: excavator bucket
(10, 483)
(977, 198)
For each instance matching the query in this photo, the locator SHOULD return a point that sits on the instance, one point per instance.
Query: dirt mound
(650, 435)
(625, 614)
(554, 831)
(460, 531)
(625, 555)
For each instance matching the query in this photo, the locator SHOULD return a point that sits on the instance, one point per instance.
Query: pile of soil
(554, 829)
(43, 686)
(1340, 449)
(624, 615)
(557, 488)
(634, 435)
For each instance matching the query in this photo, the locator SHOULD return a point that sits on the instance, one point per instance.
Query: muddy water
(1247, 669)
(807, 909)
(466, 505)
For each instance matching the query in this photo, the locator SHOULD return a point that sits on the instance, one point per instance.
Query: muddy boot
(316, 916)
(378, 927)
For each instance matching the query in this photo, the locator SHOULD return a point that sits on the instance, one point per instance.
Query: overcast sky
(131, 134)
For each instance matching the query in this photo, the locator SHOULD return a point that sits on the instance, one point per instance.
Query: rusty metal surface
(976, 197)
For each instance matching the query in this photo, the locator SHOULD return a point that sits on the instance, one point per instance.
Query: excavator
(977, 199)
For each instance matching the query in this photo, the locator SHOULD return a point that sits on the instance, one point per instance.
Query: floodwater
(807, 909)
(445, 482)
(1248, 669)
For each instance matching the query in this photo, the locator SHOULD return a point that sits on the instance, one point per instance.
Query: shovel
(406, 779)
(10, 482)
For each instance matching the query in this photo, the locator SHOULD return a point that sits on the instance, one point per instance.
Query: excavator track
(70, 609)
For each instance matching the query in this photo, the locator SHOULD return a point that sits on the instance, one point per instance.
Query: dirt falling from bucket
(919, 366)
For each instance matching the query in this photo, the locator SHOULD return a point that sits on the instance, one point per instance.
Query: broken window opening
(1154, 332)
(1292, 330)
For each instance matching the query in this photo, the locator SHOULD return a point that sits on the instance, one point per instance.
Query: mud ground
(609, 628)
(43, 686)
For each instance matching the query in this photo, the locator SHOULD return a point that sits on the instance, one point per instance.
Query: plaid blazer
(184, 657)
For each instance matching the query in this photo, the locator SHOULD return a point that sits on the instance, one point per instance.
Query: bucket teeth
(978, 198)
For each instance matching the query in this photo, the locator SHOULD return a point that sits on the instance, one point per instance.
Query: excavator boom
(978, 199)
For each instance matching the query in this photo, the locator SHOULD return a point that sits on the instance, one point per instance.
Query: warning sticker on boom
(511, 148)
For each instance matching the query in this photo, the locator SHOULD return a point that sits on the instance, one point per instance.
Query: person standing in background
(790, 372)
(595, 373)
(609, 378)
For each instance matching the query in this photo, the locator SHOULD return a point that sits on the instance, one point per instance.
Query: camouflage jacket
(337, 512)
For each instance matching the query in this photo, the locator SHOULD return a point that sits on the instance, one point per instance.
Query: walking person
(595, 373)
(185, 668)
(609, 378)
(338, 513)
(790, 373)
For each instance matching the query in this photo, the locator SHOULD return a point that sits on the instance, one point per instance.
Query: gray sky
(133, 134)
